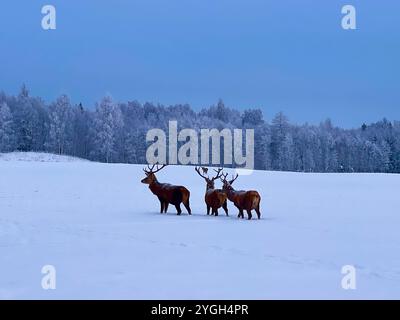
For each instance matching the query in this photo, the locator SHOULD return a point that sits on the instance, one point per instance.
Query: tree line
(116, 132)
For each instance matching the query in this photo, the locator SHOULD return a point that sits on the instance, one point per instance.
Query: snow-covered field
(100, 228)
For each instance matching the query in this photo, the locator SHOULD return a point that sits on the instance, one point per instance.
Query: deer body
(167, 193)
(243, 200)
(214, 198)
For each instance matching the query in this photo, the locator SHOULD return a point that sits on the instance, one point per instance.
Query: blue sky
(291, 56)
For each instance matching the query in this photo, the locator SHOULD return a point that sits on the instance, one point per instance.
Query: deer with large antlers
(214, 198)
(166, 192)
(243, 200)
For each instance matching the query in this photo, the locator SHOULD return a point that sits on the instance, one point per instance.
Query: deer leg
(258, 212)
(225, 207)
(187, 206)
(166, 204)
(208, 210)
(161, 206)
(240, 215)
(178, 209)
(249, 214)
(216, 212)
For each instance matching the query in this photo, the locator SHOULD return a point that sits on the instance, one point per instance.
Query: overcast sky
(290, 56)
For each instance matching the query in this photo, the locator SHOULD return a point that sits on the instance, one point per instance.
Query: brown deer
(166, 192)
(243, 200)
(214, 198)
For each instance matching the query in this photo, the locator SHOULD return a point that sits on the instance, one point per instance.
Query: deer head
(210, 181)
(150, 173)
(227, 184)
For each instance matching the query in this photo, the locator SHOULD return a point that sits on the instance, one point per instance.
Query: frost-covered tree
(7, 136)
(108, 123)
(30, 118)
(279, 129)
(262, 137)
(61, 121)
(80, 131)
(252, 117)
(286, 161)
(134, 137)
(25, 121)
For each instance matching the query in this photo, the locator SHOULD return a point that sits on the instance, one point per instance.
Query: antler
(237, 175)
(151, 169)
(198, 171)
(223, 176)
(219, 173)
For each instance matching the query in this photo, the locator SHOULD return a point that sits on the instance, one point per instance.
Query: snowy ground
(37, 157)
(100, 228)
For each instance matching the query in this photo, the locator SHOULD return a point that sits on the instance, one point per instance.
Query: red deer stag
(166, 192)
(243, 200)
(214, 198)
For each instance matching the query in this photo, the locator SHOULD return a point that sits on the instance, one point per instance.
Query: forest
(115, 132)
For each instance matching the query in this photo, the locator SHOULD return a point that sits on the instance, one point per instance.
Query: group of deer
(214, 198)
